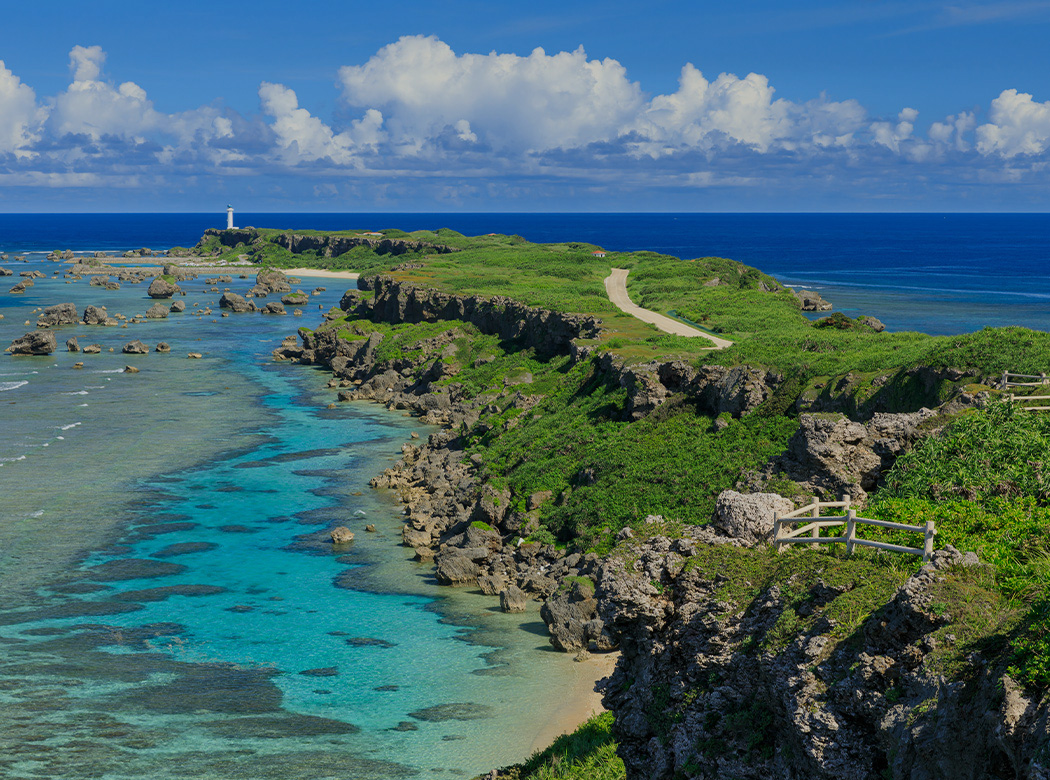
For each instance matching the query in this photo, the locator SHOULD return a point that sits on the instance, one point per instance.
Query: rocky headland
(705, 687)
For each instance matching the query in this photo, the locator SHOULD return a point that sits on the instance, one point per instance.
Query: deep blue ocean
(936, 273)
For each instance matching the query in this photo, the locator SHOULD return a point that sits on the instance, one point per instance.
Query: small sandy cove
(319, 274)
(579, 701)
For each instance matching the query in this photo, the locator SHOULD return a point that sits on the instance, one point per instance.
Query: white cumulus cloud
(1019, 125)
(703, 114)
(301, 136)
(534, 103)
(20, 116)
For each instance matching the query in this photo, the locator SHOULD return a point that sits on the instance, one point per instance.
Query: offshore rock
(235, 302)
(39, 342)
(161, 288)
(60, 314)
(342, 535)
(157, 311)
(95, 315)
(811, 301)
(135, 347)
(272, 281)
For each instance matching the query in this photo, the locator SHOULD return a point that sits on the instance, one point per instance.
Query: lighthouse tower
(229, 217)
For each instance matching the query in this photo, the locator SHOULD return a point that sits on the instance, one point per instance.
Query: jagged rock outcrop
(38, 342)
(811, 301)
(546, 331)
(59, 314)
(735, 390)
(274, 308)
(271, 280)
(135, 347)
(749, 516)
(235, 302)
(872, 322)
(157, 311)
(831, 454)
(95, 315)
(694, 694)
(161, 288)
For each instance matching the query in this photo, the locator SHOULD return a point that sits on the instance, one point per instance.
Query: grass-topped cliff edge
(560, 439)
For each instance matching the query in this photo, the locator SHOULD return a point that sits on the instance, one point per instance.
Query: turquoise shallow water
(171, 606)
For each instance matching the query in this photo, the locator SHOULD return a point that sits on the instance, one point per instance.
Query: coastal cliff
(631, 490)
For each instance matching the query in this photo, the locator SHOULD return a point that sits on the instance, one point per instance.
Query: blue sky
(571, 106)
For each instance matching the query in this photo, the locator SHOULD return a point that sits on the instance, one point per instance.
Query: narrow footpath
(616, 288)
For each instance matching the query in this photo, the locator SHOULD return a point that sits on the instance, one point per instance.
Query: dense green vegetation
(982, 481)
(608, 474)
(589, 753)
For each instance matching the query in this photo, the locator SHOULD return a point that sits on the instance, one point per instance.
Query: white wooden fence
(1040, 401)
(784, 533)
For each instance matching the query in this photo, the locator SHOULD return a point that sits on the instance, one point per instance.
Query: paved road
(616, 287)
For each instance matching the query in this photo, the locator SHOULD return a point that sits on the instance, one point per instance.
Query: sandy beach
(580, 701)
(320, 274)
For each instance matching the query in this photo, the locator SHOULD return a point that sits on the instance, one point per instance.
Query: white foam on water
(37, 513)
(60, 438)
(77, 392)
(81, 404)
(67, 427)
(359, 512)
(5, 386)
(11, 460)
(108, 371)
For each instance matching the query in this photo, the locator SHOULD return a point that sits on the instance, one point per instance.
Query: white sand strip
(321, 274)
(579, 702)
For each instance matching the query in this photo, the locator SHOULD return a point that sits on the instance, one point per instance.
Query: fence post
(927, 550)
(1005, 374)
(815, 533)
(1042, 377)
(776, 533)
(851, 530)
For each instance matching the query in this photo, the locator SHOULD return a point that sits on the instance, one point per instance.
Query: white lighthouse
(229, 217)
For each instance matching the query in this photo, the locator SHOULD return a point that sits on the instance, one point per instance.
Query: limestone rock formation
(157, 311)
(135, 347)
(342, 535)
(749, 516)
(513, 599)
(235, 302)
(60, 314)
(161, 288)
(811, 301)
(37, 342)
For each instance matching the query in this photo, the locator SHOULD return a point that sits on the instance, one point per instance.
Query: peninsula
(630, 478)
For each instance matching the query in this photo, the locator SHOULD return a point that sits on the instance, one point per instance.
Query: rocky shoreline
(696, 690)
(669, 623)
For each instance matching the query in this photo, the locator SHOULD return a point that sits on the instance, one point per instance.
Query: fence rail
(1006, 380)
(785, 534)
